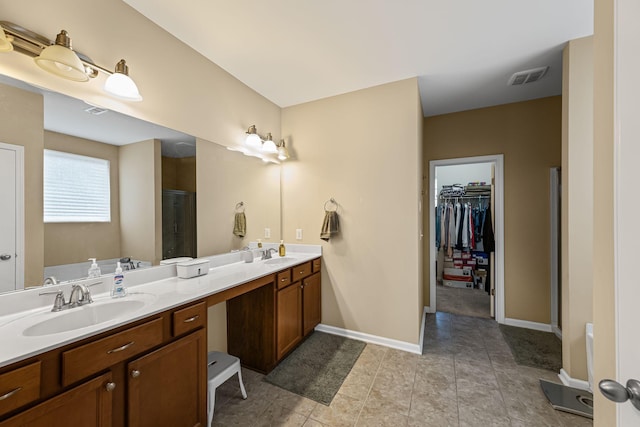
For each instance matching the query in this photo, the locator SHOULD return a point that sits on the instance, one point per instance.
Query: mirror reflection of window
(76, 188)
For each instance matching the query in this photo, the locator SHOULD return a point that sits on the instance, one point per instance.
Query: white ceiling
(463, 52)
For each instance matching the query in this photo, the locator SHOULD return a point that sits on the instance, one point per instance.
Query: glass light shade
(269, 146)
(283, 153)
(63, 62)
(122, 86)
(253, 141)
(5, 44)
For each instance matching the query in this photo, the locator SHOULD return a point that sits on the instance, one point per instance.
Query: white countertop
(20, 310)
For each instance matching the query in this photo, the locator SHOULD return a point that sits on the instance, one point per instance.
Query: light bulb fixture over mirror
(119, 83)
(283, 153)
(60, 59)
(269, 146)
(253, 140)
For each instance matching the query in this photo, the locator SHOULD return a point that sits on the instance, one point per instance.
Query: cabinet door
(168, 387)
(87, 405)
(289, 318)
(311, 305)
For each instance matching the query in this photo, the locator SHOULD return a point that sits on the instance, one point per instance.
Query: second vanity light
(60, 59)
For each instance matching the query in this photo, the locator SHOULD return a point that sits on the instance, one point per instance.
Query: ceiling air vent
(527, 76)
(96, 111)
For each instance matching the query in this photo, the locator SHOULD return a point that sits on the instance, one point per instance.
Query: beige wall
(84, 239)
(577, 203)
(363, 149)
(225, 178)
(141, 201)
(22, 124)
(529, 135)
(604, 363)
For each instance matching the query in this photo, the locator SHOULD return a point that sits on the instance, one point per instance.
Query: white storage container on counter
(194, 268)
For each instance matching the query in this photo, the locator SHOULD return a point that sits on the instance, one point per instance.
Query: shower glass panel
(178, 224)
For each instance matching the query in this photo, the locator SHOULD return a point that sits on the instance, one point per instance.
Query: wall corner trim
(544, 327)
(573, 382)
(373, 339)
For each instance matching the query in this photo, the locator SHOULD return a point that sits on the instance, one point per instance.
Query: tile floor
(466, 377)
(469, 302)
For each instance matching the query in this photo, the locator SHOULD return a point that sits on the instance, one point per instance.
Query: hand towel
(240, 224)
(330, 225)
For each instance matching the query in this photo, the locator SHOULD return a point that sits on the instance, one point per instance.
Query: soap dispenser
(281, 250)
(118, 290)
(259, 244)
(94, 270)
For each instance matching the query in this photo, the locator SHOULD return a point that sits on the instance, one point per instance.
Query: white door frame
(19, 255)
(498, 160)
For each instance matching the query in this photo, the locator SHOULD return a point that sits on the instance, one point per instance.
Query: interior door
(7, 219)
(627, 202)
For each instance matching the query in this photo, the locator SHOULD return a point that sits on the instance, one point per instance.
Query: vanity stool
(220, 367)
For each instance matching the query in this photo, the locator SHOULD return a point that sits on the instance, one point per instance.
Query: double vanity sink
(25, 332)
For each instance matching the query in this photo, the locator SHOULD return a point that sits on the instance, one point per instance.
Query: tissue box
(194, 268)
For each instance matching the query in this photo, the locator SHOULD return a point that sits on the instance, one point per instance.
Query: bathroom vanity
(148, 367)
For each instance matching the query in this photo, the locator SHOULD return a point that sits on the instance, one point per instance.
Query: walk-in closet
(464, 239)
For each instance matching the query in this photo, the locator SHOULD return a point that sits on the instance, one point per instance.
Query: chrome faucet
(80, 295)
(51, 280)
(266, 254)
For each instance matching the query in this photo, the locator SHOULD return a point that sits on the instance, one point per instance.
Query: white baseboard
(557, 331)
(422, 327)
(429, 309)
(572, 382)
(373, 339)
(529, 325)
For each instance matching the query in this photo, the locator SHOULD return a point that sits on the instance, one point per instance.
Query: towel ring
(331, 202)
(240, 207)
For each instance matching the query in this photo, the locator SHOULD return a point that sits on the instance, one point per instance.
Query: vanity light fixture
(283, 153)
(269, 146)
(253, 140)
(121, 85)
(5, 44)
(60, 59)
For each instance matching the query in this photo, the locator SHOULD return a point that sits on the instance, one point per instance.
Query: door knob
(135, 373)
(5, 257)
(616, 392)
(110, 386)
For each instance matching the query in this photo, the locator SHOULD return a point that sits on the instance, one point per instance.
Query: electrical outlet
(267, 233)
(298, 233)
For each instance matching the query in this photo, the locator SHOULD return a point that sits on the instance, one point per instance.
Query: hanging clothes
(465, 226)
(488, 240)
(438, 219)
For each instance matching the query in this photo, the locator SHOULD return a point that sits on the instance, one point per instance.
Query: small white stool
(220, 367)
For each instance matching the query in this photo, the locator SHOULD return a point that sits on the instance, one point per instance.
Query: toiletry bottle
(259, 244)
(118, 290)
(281, 250)
(94, 270)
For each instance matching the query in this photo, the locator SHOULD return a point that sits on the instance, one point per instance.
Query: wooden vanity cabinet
(151, 372)
(266, 324)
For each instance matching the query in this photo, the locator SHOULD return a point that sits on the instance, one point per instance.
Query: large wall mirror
(171, 194)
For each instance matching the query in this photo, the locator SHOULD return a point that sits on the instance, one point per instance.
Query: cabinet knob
(135, 373)
(110, 386)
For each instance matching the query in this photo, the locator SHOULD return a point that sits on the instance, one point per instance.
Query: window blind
(76, 188)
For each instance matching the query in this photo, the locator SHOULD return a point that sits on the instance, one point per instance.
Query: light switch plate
(298, 233)
(267, 233)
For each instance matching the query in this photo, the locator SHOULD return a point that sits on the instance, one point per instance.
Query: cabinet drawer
(283, 278)
(189, 319)
(98, 355)
(19, 387)
(301, 271)
(316, 265)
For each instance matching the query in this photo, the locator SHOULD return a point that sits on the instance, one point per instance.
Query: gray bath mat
(534, 348)
(318, 367)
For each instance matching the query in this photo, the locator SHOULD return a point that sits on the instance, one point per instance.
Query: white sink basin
(278, 261)
(88, 315)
